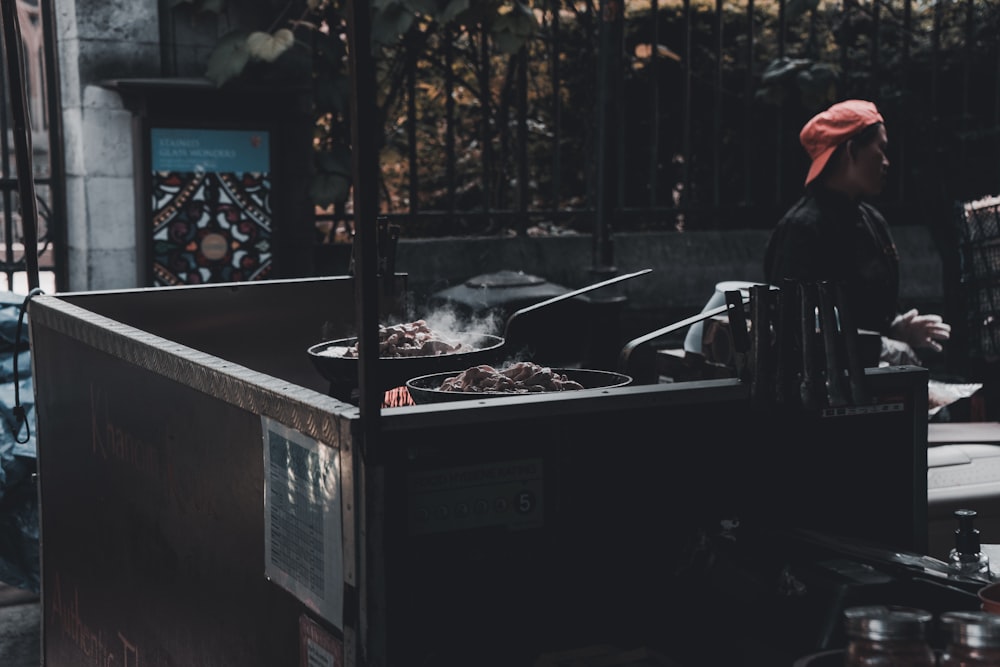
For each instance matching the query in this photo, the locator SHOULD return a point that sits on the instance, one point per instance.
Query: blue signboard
(211, 201)
(198, 150)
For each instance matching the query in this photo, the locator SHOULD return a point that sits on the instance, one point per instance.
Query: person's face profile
(871, 164)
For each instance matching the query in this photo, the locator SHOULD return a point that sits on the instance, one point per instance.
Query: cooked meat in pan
(523, 377)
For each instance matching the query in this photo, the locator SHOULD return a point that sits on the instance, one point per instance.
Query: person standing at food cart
(833, 233)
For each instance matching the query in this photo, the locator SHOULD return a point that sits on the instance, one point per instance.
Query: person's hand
(921, 330)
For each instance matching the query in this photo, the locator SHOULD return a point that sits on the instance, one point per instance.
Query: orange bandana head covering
(827, 130)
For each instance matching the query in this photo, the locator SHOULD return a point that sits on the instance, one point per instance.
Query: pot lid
(504, 278)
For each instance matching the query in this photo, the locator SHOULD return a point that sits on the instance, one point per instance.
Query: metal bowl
(426, 388)
(328, 359)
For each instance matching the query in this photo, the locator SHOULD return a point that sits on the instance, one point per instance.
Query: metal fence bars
(978, 225)
(40, 86)
(702, 103)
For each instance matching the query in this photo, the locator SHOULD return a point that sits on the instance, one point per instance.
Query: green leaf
(511, 30)
(817, 85)
(782, 69)
(453, 10)
(329, 189)
(389, 24)
(336, 160)
(333, 94)
(228, 58)
(507, 42)
(476, 12)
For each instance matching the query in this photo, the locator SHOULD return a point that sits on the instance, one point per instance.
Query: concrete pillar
(96, 40)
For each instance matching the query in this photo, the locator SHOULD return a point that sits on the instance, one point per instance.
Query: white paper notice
(303, 542)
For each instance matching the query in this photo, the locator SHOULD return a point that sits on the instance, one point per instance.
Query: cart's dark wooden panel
(151, 475)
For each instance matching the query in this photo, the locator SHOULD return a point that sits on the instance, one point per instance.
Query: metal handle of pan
(636, 358)
(570, 294)
(676, 326)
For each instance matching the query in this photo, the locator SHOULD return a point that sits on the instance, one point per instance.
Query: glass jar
(972, 639)
(887, 636)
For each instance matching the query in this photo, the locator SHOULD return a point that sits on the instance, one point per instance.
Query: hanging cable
(19, 413)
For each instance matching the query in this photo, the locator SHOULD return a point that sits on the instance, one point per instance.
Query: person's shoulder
(803, 213)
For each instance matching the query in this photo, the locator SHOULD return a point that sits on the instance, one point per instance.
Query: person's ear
(851, 146)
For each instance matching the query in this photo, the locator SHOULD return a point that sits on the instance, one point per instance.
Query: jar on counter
(887, 636)
(972, 639)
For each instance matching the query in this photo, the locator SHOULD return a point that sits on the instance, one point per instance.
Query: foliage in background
(306, 41)
(717, 145)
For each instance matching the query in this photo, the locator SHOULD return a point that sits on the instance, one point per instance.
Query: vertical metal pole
(996, 110)
(654, 111)
(371, 631)
(935, 63)
(717, 117)
(607, 58)
(686, 117)
(556, 112)
(967, 56)
(22, 139)
(449, 114)
(523, 177)
(364, 124)
(56, 228)
(876, 48)
(485, 131)
(411, 124)
(907, 124)
(8, 199)
(779, 120)
(748, 86)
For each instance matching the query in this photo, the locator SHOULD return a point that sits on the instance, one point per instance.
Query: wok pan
(394, 371)
(425, 389)
(480, 348)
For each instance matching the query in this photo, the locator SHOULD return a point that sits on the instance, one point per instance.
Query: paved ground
(20, 628)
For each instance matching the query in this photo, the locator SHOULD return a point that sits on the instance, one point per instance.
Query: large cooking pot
(426, 388)
(478, 348)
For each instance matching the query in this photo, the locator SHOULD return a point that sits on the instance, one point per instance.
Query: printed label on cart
(887, 404)
(507, 493)
(317, 647)
(303, 543)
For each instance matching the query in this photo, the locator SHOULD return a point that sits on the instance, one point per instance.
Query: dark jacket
(827, 236)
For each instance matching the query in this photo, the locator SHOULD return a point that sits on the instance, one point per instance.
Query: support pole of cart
(364, 155)
(369, 603)
(22, 140)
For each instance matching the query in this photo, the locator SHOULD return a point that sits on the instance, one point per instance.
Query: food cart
(205, 500)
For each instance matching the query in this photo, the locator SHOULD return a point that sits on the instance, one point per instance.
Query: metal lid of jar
(976, 629)
(886, 622)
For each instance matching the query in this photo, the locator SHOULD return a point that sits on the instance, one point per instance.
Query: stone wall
(96, 40)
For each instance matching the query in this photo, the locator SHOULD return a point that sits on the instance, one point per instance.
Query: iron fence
(683, 115)
(639, 115)
(37, 32)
